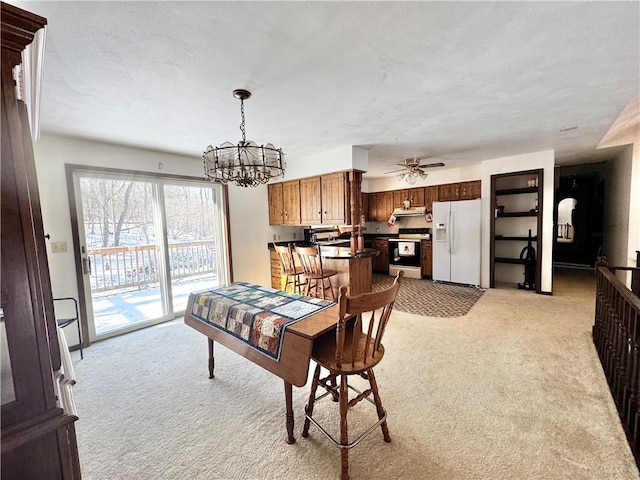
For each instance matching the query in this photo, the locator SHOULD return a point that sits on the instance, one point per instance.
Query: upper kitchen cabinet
(291, 202)
(430, 196)
(284, 203)
(380, 206)
(364, 206)
(276, 205)
(449, 192)
(416, 197)
(310, 205)
(323, 199)
(334, 198)
(399, 196)
(470, 190)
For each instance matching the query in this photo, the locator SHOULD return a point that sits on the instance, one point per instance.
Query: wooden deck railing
(616, 335)
(116, 268)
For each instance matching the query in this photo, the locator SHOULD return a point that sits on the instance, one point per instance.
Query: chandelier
(245, 164)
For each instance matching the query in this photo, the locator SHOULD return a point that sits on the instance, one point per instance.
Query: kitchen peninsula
(354, 270)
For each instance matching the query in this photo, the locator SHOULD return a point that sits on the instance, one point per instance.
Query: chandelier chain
(242, 129)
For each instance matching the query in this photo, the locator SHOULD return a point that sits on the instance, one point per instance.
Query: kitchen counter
(330, 252)
(354, 271)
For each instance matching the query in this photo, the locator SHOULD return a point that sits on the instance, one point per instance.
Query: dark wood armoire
(38, 437)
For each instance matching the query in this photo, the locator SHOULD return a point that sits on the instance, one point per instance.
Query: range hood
(409, 212)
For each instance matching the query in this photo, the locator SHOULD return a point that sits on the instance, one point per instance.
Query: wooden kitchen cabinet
(426, 269)
(310, 204)
(323, 200)
(291, 202)
(276, 276)
(276, 211)
(380, 262)
(416, 196)
(470, 190)
(364, 206)
(400, 196)
(449, 192)
(284, 203)
(384, 206)
(430, 196)
(333, 198)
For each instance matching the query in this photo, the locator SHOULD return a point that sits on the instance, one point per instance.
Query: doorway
(578, 218)
(145, 242)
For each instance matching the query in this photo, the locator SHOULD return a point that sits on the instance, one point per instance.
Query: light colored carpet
(512, 390)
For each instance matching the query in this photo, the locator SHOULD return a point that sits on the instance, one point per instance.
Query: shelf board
(504, 237)
(516, 191)
(515, 261)
(518, 214)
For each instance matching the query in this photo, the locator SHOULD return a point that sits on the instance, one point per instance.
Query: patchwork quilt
(254, 314)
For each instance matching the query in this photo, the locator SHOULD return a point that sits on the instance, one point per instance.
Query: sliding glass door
(195, 246)
(146, 243)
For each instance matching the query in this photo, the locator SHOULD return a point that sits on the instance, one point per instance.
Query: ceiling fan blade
(395, 171)
(431, 165)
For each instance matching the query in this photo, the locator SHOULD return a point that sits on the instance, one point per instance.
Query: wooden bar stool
(318, 278)
(355, 349)
(288, 270)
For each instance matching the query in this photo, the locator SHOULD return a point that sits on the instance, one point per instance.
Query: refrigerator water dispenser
(441, 232)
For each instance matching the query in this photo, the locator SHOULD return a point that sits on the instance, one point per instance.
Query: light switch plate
(58, 247)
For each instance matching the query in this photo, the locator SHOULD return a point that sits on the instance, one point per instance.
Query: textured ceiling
(461, 82)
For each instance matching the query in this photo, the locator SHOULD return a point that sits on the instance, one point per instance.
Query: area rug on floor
(424, 297)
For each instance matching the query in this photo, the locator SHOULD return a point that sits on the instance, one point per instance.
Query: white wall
(435, 177)
(326, 162)
(622, 204)
(51, 153)
(250, 234)
(529, 161)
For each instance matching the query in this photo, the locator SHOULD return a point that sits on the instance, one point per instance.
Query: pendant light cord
(244, 134)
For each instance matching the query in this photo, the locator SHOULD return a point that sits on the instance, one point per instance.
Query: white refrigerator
(457, 241)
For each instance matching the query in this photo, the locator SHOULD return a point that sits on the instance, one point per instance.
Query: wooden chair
(288, 270)
(352, 351)
(318, 278)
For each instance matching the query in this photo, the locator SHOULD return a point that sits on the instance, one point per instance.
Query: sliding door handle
(86, 266)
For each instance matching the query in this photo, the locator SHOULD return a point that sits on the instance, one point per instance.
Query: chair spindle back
(377, 306)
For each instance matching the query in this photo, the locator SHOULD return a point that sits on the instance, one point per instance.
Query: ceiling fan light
(400, 176)
(411, 180)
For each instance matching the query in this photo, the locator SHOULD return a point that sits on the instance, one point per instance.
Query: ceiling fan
(412, 169)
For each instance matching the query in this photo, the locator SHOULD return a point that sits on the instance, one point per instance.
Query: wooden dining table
(295, 351)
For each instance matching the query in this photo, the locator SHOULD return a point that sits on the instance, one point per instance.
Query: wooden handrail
(115, 268)
(616, 336)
